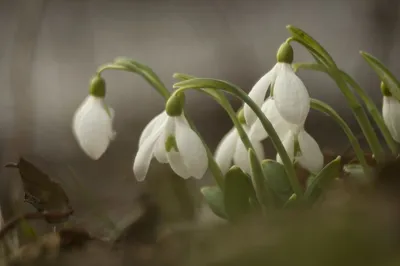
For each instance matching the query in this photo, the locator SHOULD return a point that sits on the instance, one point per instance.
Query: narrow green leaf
(384, 74)
(277, 180)
(263, 192)
(327, 174)
(215, 199)
(238, 191)
(298, 33)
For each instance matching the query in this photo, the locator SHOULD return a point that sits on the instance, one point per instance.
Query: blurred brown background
(50, 48)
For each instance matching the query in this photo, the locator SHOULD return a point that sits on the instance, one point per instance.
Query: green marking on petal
(170, 144)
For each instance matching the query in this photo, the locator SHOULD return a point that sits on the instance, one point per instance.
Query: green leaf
(40, 191)
(238, 191)
(384, 74)
(215, 199)
(277, 180)
(323, 178)
(308, 41)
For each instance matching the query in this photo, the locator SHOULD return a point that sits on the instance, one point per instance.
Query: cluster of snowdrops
(276, 108)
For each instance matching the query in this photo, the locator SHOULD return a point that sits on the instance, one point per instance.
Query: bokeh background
(49, 49)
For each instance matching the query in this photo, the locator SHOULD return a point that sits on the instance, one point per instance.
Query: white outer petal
(257, 131)
(288, 143)
(145, 152)
(391, 116)
(176, 162)
(154, 123)
(226, 149)
(311, 157)
(291, 96)
(258, 93)
(191, 148)
(92, 127)
(159, 150)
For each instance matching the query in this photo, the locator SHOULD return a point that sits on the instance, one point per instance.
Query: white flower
(391, 116)
(93, 126)
(291, 96)
(187, 155)
(308, 154)
(257, 131)
(232, 150)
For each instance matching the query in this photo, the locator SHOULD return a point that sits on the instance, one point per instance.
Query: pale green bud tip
(98, 87)
(170, 144)
(175, 103)
(240, 116)
(285, 53)
(385, 90)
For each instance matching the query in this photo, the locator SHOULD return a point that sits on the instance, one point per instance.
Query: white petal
(257, 131)
(191, 149)
(145, 152)
(258, 93)
(288, 143)
(176, 162)
(225, 150)
(92, 127)
(154, 123)
(391, 116)
(291, 96)
(159, 151)
(241, 156)
(311, 157)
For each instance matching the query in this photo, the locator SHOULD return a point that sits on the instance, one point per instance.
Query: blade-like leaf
(238, 191)
(384, 74)
(215, 199)
(327, 174)
(277, 180)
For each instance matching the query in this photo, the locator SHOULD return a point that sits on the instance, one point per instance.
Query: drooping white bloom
(391, 116)
(93, 126)
(171, 140)
(232, 150)
(257, 131)
(308, 153)
(291, 96)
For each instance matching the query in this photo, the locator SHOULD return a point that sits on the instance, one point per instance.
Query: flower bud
(285, 53)
(175, 103)
(385, 90)
(98, 87)
(240, 116)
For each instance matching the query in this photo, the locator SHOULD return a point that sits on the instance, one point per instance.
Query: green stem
(200, 83)
(258, 178)
(371, 107)
(324, 108)
(373, 110)
(155, 82)
(356, 108)
(361, 117)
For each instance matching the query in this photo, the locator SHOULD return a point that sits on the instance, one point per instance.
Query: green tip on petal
(285, 53)
(385, 90)
(175, 103)
(170, 144)
(98, 87)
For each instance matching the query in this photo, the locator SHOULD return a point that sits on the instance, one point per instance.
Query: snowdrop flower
(169, 138)
(232, 150)
(303, 148)
(391, 112)
(291, 96)
(93, 121)
(257, 131)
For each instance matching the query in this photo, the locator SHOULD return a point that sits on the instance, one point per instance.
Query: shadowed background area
(50, 49)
